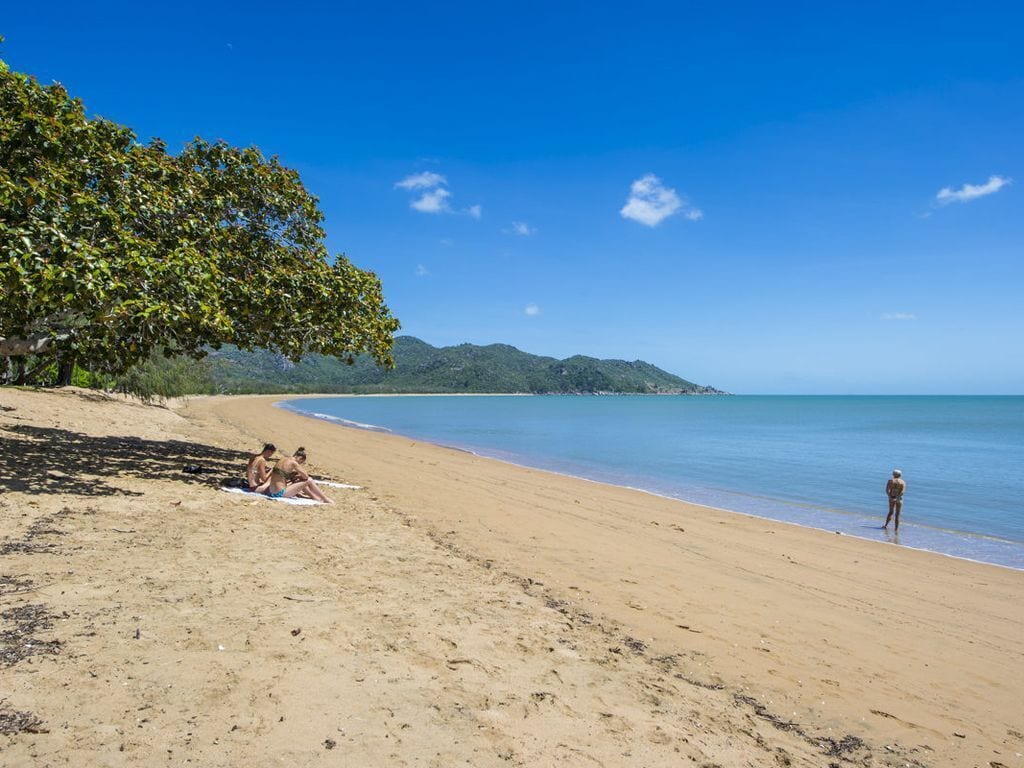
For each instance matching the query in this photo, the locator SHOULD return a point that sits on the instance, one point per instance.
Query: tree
(110, 248)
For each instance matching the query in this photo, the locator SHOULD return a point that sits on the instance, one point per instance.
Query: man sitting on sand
(288, 479)
(894, 490)
(257, 473)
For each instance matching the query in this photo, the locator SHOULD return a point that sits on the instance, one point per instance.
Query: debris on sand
(12, 585)
(13, 721)
(19, 642)
(43, 526)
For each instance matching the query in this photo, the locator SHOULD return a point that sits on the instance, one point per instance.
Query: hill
(420, 367)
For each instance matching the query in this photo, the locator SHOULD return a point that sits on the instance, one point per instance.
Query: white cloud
(435, 201)
(531, 310)
(424, 180)
(899, 316)
(520, 228)
(433, 194)
(971, 191)
(651, 202)
(421, 271)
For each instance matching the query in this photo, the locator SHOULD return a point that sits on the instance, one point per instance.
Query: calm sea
(819, 461)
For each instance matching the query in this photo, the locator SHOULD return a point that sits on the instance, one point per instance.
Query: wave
(335, 419)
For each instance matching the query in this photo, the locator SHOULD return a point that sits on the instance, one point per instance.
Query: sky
(806, 198)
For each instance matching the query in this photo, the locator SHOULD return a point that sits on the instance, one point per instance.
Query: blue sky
(748, 195)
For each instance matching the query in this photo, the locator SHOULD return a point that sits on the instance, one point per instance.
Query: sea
(816, 461)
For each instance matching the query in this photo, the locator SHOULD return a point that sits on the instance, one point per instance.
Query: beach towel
(246, 492)
(295, 501)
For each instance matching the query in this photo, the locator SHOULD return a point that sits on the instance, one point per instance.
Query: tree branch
(33, 344)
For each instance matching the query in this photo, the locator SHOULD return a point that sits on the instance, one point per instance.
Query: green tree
(110, 249)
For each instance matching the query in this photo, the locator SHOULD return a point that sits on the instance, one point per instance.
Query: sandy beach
(455, 610)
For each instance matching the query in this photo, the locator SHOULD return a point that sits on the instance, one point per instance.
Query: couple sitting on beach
(286, 479)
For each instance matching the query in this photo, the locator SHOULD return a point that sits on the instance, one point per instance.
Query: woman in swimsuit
(257, 474)
(302, 483)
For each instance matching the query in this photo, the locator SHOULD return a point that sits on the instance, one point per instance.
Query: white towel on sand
(244, 492)
(297, 502)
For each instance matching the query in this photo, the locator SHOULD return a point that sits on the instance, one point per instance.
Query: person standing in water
(894, 490)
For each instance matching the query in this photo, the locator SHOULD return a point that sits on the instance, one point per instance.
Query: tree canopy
(111, 248)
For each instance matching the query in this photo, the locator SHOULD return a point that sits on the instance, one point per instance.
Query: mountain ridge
(421, 368)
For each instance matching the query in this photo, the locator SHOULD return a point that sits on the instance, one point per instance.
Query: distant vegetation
(420, 367)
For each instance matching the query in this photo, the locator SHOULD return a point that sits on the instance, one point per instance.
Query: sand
(457, 611)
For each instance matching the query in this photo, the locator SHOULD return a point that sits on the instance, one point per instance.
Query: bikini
(284, 476)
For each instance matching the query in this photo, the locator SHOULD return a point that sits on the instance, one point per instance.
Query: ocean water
(818, 461)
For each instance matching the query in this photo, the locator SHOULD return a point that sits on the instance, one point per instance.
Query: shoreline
(554, 529)
(539, 465)
(459, 609)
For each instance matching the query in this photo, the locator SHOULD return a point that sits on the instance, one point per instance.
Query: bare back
(256, 472)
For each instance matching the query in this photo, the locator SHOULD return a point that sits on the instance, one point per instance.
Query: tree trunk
(28, 376)
(65, 369)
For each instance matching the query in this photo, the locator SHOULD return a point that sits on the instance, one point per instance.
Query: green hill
(420, 367)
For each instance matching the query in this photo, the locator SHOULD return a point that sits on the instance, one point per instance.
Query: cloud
(435, 201)
(968, 192)
(421, 271)
(433, 194)
(424, 180)
(899, 316)
(520, 228)
(531, 310)
(651, 202)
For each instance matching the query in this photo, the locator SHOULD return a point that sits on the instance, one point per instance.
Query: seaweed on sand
(14, 721)
(20, 642)
(12, 585)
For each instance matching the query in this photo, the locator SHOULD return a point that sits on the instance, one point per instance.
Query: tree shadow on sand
(47, 460)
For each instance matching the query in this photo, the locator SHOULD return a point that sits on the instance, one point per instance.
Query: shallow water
(820, 461)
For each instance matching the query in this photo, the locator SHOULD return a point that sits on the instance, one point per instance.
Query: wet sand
(459, 610)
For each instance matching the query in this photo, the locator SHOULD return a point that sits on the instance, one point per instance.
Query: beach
(458, 610)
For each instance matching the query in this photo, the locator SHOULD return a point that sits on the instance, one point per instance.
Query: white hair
(896, 473)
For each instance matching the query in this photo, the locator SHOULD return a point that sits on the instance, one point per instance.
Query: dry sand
(457, 611)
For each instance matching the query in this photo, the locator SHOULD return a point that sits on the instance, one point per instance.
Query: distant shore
(457, 608)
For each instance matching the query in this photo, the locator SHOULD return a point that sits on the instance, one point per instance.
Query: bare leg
(899, 508)
(314, 490)
(294, 489)
(888, 519)
(308, 487)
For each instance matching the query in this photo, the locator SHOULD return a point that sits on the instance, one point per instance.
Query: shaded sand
(457, 611)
